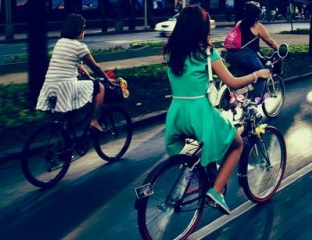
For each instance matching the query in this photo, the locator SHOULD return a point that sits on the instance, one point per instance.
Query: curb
(295, 78)
(137, 122)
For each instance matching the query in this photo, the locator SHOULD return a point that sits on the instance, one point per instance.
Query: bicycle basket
(115, 93)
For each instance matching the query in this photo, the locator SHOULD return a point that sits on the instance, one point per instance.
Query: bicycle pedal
(210, 203)
(55, 166)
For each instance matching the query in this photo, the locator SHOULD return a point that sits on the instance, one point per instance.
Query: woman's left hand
(112, 80)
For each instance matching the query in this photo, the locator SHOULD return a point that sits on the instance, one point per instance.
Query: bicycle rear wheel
(177, 202)
(115, 140)
(263, 165)
(273, 105)
(46, 155)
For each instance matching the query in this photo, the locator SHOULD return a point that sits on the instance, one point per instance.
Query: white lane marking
(218, 223)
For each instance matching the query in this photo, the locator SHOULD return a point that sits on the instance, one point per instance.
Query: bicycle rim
(117, 134)
(175, 207)
(273, 105)
(265, 166)
(46, 156)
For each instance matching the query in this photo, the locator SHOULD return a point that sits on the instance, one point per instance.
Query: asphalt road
(95, 199)
(108, 41)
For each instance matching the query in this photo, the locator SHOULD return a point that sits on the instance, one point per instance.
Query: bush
(148, 87)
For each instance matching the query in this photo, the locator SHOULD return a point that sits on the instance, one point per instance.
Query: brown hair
(73, 26)
(190, 37)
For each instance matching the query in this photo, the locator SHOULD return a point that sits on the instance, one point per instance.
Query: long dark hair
(190, 37)
(252, 13)
(73, 26)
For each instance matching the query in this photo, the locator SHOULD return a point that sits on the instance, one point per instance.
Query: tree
(310, 35)
(131, 23)
(102, 9)
(72, 6)
(238, 9)
(37, 48)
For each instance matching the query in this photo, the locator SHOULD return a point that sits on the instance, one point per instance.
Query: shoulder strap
(209, 64)
(249, 42)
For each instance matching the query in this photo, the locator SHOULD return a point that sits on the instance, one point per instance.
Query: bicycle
(49, 151)
(273, 95)
(173, 196)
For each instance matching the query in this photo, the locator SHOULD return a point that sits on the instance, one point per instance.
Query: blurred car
(166, 27)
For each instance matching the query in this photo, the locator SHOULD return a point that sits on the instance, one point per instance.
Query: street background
(95, 199)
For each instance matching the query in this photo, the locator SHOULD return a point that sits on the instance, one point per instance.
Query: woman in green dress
(190, 113)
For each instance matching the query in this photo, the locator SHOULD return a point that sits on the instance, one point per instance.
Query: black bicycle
(49, 151)
(273, 95)
(173, 196)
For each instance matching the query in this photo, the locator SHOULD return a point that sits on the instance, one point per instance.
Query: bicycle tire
(273, 105)
(46, 155)
(115, 140)
(261, 176)
(165, 214)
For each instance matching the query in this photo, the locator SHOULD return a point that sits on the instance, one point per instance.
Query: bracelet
(255, 76)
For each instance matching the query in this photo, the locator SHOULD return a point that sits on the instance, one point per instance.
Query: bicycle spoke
(275, 101)
(116, 136)
(175, 205)
(266, 166)
(46, 156)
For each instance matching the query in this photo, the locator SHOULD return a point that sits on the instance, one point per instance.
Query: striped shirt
(61, 78)
(66, 58)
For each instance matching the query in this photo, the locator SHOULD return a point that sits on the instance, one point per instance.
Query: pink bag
(233, 39)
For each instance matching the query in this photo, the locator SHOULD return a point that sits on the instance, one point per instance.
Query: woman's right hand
(112, 80)
(263, 73)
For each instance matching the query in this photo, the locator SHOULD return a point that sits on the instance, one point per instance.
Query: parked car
(166, 27)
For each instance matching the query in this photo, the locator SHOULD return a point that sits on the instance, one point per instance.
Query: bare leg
(98, 102)
(231, 161)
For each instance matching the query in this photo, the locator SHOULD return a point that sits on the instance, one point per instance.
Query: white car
(167, 27)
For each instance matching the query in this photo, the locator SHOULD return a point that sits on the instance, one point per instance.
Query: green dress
(191, 114)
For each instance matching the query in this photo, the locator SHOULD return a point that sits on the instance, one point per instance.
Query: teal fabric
(196, 118)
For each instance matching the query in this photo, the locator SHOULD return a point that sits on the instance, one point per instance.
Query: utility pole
(8, 20)
(37, 48)
(310, 35)
(145, 14)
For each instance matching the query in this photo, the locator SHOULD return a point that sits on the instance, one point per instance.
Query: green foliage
(145, 73)
(297, 31)
(16, 110)
(16, 58)
(108, 50)
(142, 44)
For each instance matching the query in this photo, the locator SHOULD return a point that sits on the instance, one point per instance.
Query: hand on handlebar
(113, 80)
(263, 73)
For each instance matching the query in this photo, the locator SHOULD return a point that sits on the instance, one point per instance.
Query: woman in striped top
(61, 78)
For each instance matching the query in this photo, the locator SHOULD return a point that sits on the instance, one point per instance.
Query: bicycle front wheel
(46, 155)
(115, 140)
(263, 165)
(177, 202)
(273, 105)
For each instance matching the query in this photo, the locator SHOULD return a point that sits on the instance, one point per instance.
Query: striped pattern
(61, 78)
